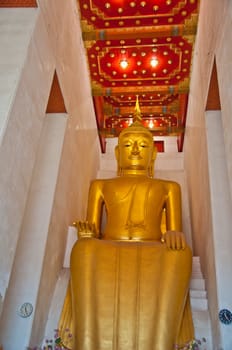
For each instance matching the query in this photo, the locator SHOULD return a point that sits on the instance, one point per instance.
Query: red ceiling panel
(154, 40)
(124, 13)
(140, 48)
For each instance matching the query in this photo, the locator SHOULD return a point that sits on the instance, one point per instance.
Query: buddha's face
(135, 151)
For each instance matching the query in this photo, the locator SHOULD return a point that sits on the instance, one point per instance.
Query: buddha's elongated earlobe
(150, 171)
(151, 166)
(116, 151)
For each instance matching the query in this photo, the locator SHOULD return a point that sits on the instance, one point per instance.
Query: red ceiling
(149, 12)
(137, 32)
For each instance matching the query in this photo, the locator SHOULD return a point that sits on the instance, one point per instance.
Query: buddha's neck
(133, 172)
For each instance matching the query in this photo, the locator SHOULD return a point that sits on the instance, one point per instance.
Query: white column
(221, 206)
(15, 331)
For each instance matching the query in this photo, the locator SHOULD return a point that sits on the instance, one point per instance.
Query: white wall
(213, 39)
(221, 205)
(22, 121)
(55, 44)
(28, 262)
(16, 26)
(224, 67)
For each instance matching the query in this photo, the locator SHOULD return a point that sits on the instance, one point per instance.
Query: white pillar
(15, 331)
(221, 206)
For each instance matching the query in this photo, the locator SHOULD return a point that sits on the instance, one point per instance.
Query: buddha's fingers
(175, 240)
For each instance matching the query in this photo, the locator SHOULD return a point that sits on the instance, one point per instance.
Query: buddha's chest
(135, 196)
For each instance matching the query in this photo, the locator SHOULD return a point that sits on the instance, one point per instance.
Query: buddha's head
(135, 152)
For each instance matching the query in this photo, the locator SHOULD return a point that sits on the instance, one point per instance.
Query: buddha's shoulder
(168, 184)
(106, 182)
(119, 181)
(133, 180)
(102, 182)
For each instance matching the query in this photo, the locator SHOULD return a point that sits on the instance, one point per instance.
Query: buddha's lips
(135, 157)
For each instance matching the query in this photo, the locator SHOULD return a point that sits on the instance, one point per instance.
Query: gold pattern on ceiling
(140, 48)
(137, 48)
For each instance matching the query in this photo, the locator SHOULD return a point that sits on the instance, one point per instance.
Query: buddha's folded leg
(176, 267)
(93, 265)
(127, 295)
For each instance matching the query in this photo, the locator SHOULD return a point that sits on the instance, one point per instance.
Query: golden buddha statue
(129, 283)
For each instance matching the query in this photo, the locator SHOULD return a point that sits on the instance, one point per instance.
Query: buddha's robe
(128, 290)
(134, 207)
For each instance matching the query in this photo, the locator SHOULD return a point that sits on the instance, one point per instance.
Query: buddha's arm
(174, 238)
(173, 207)
(91, 227)
(95, 203)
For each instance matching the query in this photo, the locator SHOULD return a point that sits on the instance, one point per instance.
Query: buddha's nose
(135, 148)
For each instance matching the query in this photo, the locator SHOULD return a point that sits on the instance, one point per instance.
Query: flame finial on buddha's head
(137, 114)
(137, 125)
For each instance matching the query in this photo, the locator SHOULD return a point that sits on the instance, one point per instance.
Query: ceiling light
(124, 64)
(154, 62)
(151, 124)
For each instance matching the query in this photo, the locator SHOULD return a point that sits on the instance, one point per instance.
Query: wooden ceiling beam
(90, 34)
(147, 110)
(169, 90)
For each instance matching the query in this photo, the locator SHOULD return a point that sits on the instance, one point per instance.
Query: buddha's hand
(174, 240)
(86, 229)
